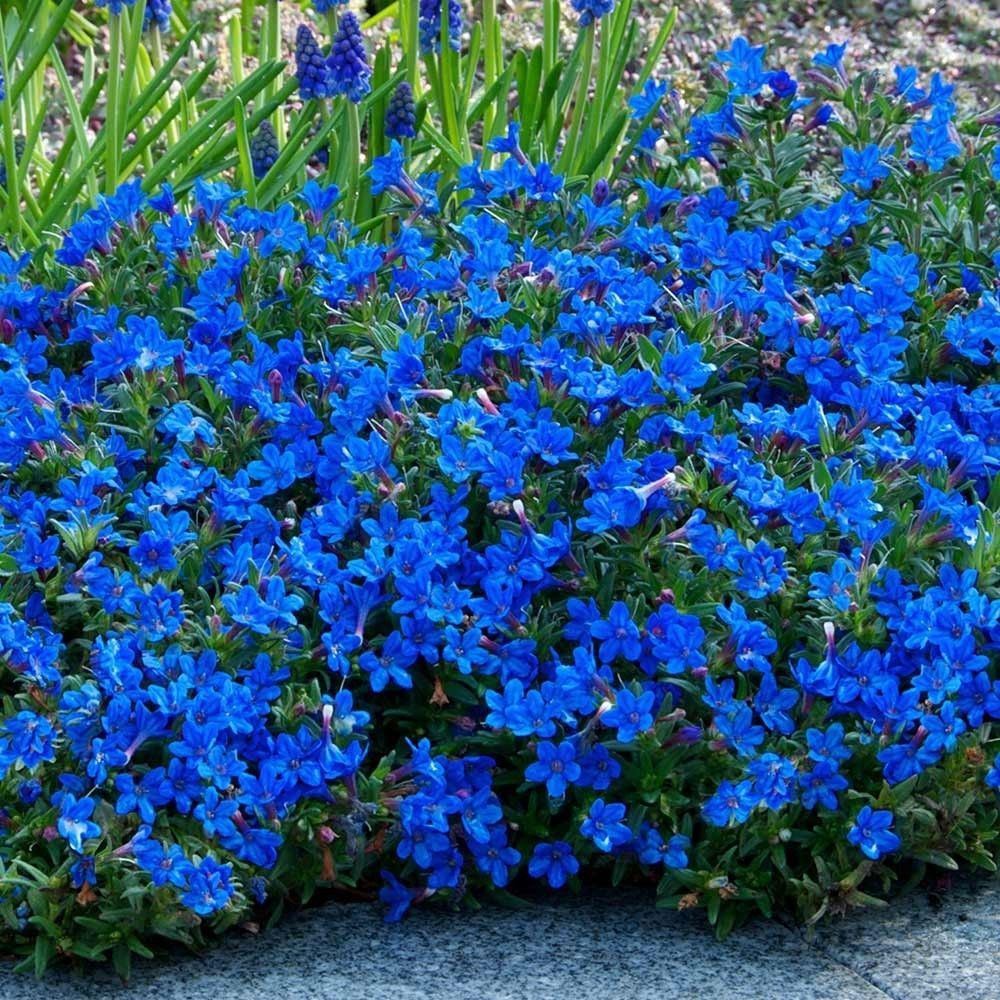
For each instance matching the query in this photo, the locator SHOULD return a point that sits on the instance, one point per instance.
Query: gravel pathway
(604, 946)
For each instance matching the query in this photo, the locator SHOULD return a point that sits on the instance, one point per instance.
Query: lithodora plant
(644, 531)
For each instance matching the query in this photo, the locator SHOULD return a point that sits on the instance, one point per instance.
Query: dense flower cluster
(310, 66)
(157, 14)
(19, 147)
(431, 14)
(344, 71)
(592, 10)
(264, 151)
(401, 113)
(646, 528)
(348, 61)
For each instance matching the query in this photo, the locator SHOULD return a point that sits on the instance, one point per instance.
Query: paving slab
(943, 944)
(604, 946)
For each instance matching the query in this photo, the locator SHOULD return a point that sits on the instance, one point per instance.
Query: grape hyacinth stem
(351, 154)
(411, 43)
(111, 145)
(9, 152)
(273, 51)
(569, 154)
(491, 33)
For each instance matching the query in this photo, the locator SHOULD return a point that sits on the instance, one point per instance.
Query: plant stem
(569, 154)
(352, 157)
(273, 46)
(9, 151)
(595, 117)
(411, 42)
(236, 32)
(246, 23)
(449, 100)
(550, 53)
(112, 140)
(491, 68)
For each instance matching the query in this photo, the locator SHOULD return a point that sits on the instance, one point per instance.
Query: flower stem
(352, 157)
(9, 152)
(569, 154)
(112, 141)
(490, 67)
(273, 46)
(411, 43)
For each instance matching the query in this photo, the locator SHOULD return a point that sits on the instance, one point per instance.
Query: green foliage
(96, 101)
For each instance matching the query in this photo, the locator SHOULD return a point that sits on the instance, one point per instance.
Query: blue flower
(820, 786)
(603, 825)
(618, 635)
(993, 774)
(387, 171)
(555, 862)
(932, 145)
(396, 896)
(630, 715)
(872, 834)
(745, 66)
(731, 804)
(556, 767)
(652, 849)
(74, 821)
(863, 167)
(209, 888)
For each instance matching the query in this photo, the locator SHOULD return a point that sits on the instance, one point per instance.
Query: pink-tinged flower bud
(275, 380)
(686, 206)
(664, 482)
(325, 835)
(487, 404)
(443, 394)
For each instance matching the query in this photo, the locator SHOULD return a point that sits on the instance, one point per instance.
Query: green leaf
(938, 858)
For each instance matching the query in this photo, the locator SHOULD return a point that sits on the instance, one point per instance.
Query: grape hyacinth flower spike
(429, 19)
(592, 10)
(157, 15)
(310, 66)
(263, 149)
(348, 64)
(401, 113)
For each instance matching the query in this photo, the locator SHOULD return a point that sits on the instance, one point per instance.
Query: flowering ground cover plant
(577, 531)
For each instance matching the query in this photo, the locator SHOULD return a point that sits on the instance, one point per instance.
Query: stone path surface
(601, 947)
